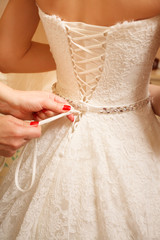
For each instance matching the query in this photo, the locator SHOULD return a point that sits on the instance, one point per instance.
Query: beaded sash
(87, 107)
(81, 106)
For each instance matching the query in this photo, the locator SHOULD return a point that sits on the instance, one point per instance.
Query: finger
(57, 98)
(45, 114)
(41, 115)
(12, 146)
(31, 130)
(7, 153)
(71, 117)
(36, 117)
(17, 134)
(49, 114)
(58, 107)
(56, 104)
(17, 144)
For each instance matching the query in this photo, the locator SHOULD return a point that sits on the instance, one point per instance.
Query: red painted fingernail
(66, 107)
(72, 119)
(34, 123)
(44, 110)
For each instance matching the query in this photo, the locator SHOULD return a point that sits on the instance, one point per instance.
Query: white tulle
(99, 177)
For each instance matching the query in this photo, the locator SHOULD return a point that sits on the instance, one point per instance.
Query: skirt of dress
(99, 181)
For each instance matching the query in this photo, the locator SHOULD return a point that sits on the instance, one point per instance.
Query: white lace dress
(97, 178)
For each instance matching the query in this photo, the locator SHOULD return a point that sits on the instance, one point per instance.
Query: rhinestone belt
(87, 107)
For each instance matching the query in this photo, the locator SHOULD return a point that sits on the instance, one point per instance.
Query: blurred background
(155, 75)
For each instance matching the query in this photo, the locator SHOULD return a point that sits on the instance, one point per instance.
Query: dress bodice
(103, 65)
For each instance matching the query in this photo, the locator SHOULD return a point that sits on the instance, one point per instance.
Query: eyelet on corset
(100, 69)
(104, 45)
(103, 58)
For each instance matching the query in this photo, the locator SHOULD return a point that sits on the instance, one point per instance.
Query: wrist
(9, 99)
(6, 93)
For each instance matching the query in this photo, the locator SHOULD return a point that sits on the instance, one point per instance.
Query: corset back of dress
(102, 65)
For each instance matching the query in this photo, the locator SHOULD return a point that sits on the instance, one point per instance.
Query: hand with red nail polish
(15, 133)
(25, 105)
(28, 105)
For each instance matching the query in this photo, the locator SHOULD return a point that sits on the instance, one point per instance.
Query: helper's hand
(36, 105)
(14, 133)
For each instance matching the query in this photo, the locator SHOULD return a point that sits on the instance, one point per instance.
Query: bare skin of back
(101, 12)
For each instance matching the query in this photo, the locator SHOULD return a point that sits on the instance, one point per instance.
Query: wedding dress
(99, 177)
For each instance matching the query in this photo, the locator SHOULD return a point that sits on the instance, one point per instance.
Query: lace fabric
(102, 182)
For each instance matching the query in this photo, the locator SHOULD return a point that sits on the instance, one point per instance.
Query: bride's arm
(17, 51)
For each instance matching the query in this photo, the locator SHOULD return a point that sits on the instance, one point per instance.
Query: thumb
(31, 129)
(56, 104)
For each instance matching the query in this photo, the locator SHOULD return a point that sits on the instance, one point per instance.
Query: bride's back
(101, 12)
